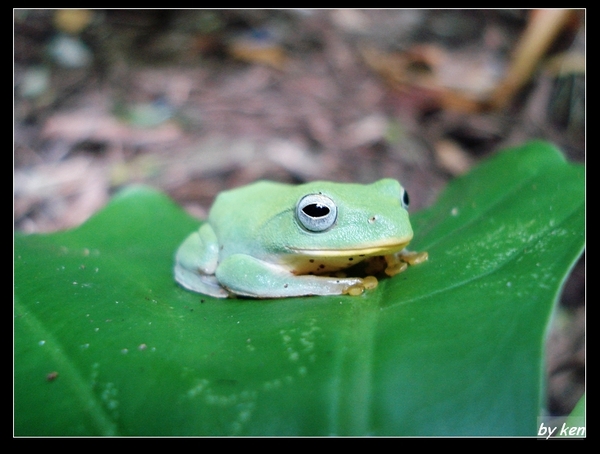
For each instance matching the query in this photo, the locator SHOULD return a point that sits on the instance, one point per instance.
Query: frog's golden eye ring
(316, 212)
(404, 199)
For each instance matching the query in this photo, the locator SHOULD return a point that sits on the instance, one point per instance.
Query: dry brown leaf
(88, 125)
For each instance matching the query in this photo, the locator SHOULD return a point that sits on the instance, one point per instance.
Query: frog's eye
(404, 199)
(316, 212)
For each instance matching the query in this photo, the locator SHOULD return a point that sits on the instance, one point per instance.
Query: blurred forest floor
(196, 101)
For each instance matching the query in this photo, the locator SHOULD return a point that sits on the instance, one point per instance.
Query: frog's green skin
(266, 240)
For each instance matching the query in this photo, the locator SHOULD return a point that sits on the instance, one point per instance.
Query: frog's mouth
(368, 251)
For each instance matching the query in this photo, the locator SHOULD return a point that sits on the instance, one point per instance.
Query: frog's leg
(196, 261)
(208, 285)
(247, 276)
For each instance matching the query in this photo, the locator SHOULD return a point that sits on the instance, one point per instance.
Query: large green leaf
(107, 343)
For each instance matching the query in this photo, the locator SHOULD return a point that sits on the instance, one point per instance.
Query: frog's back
(241, 212)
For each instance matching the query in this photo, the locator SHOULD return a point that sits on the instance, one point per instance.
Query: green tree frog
(274, 240)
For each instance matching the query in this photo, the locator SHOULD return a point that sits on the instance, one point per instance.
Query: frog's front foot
(396, 263)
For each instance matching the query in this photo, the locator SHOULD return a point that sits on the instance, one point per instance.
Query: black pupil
(405, 198)
(314, 210)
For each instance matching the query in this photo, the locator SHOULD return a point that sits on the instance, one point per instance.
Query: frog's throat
(368, 251)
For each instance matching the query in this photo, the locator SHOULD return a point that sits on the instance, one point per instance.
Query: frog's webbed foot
(367, 283)
(201, 283)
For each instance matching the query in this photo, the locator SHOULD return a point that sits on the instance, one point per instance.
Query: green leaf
(106, 343)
